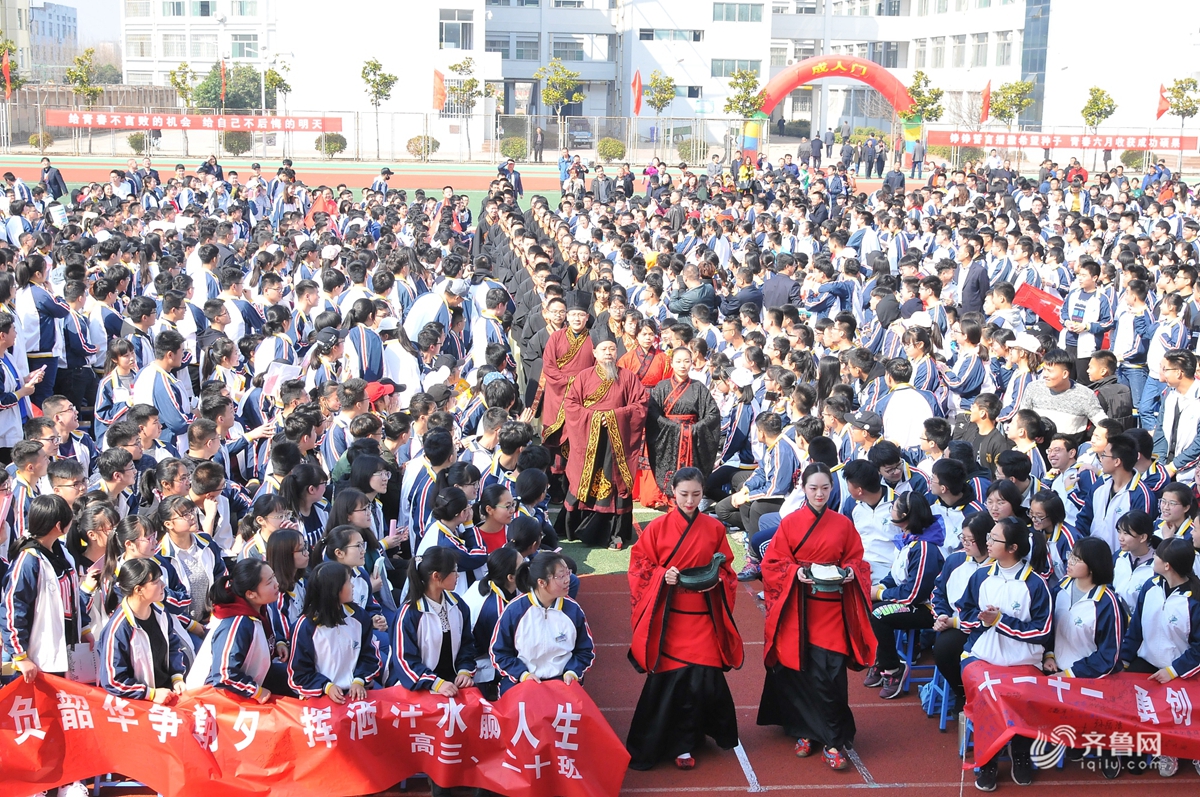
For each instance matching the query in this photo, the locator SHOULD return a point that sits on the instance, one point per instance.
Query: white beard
(607, 371)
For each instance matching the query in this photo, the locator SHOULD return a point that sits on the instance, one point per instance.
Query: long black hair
(437, 559)
(323, 594)
(501, 563)
(243, 577)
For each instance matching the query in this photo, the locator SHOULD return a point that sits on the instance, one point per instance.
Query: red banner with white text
(540, 740)
(1127, 713)
(1047, 305)
(978, 138)
(184, 121)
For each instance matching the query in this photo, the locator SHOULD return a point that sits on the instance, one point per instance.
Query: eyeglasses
(282, 517)
(1000, 541)
(53, 440)
(360, 509)
(304, 550)
(563, 576)
(78, 485)
(362, 546)
(387, 474)
(1037, 518)
(1168, 504)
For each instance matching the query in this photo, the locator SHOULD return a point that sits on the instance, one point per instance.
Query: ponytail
(442, 561)
(501, 563)
(540, 568)
(1181, 556)
(243, 577)
(129, 529)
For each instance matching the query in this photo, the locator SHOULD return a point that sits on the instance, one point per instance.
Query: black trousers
(886, 620)
(748, 514)
(947, 655)
(813, 703)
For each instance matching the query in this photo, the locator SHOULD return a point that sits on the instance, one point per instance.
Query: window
(960, 5)
(497, 44)
(1004, 48)
(958, 53)
(943, 6)
(137, 8)
(204, 45)
(139, 78)
(726, 67)
(938, 58)
(174, 8)
(567, 49)
(244, 45)
(984, 4)
(453, 107)
(691, 92)
(204, 8)
(919, 54)
(455, 32)
(804, 48)
(174, 45)
(527, 49)
(979, 48)
(137, 45)
(737, 12)
(568, 3)
(922, 8)
(779, 56)
(669, 34)
(245, 8)
(527, 3)
(802, 100)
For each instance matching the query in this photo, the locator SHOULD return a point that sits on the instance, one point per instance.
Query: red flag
(439, 90)
(1164, 104)
(987, 103)
(222, 82)
(4, 65)
(637, 92)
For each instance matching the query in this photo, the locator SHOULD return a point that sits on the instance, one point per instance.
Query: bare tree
(965, 109)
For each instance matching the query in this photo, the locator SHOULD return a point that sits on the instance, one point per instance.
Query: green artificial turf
(601, 561)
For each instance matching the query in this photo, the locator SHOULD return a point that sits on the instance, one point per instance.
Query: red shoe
(803, 748)
(685, 763)
(836, 759)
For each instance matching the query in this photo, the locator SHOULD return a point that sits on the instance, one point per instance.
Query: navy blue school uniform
(126, 656)
(426, 656)
(1086, 636)
(1172, 644)
(553, 641)
(236, 654)
(340, 655)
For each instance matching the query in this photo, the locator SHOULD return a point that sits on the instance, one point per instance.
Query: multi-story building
(53, 39)
(14, 21)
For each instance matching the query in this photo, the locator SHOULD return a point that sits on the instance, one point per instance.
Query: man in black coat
(894, 180)
(974, 284)
(816, 153)
(52, 178)
(780, 288)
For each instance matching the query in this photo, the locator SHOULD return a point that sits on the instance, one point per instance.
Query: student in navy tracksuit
(237, 653)
(433, 645)
(347, 545)
(950, 585)
(333, 654)
(40, 612)
(542, 634)
(364, 347)
(140, 659)
(1089, 617)
(287, 554)
(451, 529)
(39, 313)
(902, 597)
(487, 600)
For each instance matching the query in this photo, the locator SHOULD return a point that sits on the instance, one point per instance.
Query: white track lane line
(747, 770)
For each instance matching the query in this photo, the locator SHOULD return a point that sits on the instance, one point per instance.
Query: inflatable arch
(842, 66)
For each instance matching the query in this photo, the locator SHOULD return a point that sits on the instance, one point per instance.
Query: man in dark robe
(605, 411)
(683, 428)
(553, 318)
(568, 352)
(684, 639)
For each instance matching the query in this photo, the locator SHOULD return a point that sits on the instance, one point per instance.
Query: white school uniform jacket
(1129, 575)
(1087, 634)
(417, 641)
(235, 655)
(342, 655)
(126, 658)
(875, 528)
(33, 614)
(544, 641)
(1021, 632)
(1165, 629)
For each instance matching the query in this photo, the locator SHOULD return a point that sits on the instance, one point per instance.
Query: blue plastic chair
(938, 699)
(906, 643)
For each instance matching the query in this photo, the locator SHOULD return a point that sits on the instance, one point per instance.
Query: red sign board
(183, 121)
(978, 138)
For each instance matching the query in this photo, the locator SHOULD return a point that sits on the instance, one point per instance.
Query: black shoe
(985, 777)
(874, 677)
(1111, 767)
(1022, 770)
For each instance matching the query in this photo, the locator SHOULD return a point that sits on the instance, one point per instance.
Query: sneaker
(76, 789)
(1111, 767)
(1196, 764)
(985, 776)
(750, 572)
(836, 759)
(760, 595)
(685, 762)
(892, 683)
(874, 678)
(1022, 770)
(1168, 766)
(803, 748)
(616, 544)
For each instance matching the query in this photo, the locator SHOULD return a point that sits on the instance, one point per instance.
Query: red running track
(900, 751)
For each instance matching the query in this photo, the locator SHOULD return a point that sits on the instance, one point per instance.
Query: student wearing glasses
(1121, 490)
(266, 516)
(1176, 512)
(197, 559)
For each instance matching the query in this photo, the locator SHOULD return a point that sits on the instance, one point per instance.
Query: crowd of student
(293, 440)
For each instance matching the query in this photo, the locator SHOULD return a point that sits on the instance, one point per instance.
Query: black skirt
(676, 711)
(595, 529)
(811, 704)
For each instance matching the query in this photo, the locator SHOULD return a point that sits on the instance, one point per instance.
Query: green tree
(108, 74)
(1010, 99)
(277, 82)
(1184, 104)
(1099, 107)
(927, 101)
(560, 88)
(659, 93)
(379, 86)
(745, 97)
(81, 77)
(183, 79)
(466, 93)
(243, 89)
(8, 46)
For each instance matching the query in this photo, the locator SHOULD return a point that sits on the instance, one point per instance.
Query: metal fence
(396, 137)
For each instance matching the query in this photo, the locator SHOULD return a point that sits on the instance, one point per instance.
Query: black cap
(440, 393)
(866, 420)
(329, 336)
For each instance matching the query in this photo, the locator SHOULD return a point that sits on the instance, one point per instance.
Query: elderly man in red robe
(568, 353)
(605, 422)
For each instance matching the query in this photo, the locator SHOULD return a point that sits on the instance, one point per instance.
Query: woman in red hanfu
(683, 639)
(650, 365)
(812, 636)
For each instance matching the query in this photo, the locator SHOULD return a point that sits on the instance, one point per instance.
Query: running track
(899, 749)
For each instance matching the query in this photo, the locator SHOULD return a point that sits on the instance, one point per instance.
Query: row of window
(924, 7)
(931, 53)
(552, 3)
(183, 8)
(670, 34)
(725, 67)
(737, 12)
(39, 27)
(202, 46)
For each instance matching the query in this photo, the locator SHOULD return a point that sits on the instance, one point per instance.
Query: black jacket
(974, 287)
(1117, 401)
(780, 289)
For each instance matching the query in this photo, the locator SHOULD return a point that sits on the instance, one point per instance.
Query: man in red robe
(568, 352)
(605, 422)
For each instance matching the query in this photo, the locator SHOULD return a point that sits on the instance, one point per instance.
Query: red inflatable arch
(844, 66)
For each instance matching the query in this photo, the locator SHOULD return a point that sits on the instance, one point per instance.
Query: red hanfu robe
(605, 424)
(565, 357)
(651, 367)
(838, 622)
(672, 626)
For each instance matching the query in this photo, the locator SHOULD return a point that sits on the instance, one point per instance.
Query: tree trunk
(468, 124)
(376, 132)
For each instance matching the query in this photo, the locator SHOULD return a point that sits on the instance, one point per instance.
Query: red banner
(539, 740)
(975, 138)
(1127, 713)
(182, 121)
(1045, 304)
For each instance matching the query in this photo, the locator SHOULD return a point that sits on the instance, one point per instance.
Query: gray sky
(99, 20)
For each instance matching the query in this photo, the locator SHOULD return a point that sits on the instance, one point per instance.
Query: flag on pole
(4, 66)
(439, 91)
(222, 82)
(986, 111)
(1164, 104)
(637, 92)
